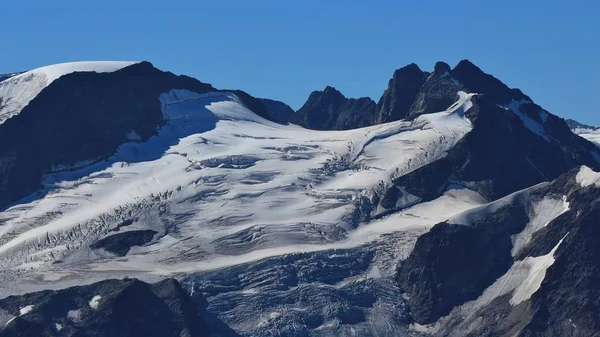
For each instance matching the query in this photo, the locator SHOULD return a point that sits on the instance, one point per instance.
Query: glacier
(227, 195)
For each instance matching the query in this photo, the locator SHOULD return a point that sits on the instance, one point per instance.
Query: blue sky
(286, 49)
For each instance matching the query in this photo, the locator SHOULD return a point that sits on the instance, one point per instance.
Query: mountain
(108, 308)
(62, 116)
(573, 125)
(455, 206)
(330, 110)
(531, 258)
(278, 111)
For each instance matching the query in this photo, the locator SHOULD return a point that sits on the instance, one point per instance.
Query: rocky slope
(573, 125)
(278, 111)
(330, 110)
(530, 258)
(109, 308)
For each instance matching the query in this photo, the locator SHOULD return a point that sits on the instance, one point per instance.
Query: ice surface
(233, 179)
(16, 92)
(587, 177)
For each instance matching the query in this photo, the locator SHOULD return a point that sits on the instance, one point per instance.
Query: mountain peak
(332, 91)
(441, 68)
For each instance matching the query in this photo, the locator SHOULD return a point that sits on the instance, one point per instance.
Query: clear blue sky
(286, 49)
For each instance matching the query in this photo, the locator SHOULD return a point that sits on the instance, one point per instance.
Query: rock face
(573, 124)
(84, 117)
(402, 90)
(503, 260)
(512, 146)
(120, 244)
(109, 308)
(330, 110)
(278, 111)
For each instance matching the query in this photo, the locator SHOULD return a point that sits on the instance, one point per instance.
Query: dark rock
(402, 89)
(330, 110)
(475, 80)
(441, 68)
(125, 308)
(573, 124)
(278, 111)
(120, 244)
(501, 155)
(453, 264)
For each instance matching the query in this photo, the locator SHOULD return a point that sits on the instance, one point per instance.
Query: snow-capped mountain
(113, 170)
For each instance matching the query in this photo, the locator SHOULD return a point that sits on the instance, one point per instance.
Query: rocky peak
(397, 99)
(441, 68)
(476, 80)
(331, 110)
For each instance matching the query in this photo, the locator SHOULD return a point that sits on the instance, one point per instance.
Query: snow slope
(17, 91)
(222, 186)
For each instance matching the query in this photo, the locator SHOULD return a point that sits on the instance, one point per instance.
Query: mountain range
(139, 202)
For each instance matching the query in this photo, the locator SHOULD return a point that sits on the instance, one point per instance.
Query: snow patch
(374, 273)
(522, 279)
(22, 311)
(543, 213)
(587, 177)
(536, 272)
(533, 125)
(74, 315)
(429, 329)
(25, 310)
(95, 301)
